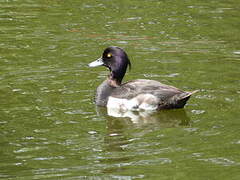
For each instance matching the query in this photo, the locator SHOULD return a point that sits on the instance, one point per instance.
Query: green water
(49, 125)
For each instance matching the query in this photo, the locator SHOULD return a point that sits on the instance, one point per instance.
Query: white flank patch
(140, 102)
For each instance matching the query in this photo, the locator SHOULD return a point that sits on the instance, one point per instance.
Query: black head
(116, 60)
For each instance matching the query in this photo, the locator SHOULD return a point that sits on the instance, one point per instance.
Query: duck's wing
(133, 88)
(167, 96)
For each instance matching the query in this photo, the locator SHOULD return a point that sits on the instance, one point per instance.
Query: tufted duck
(140, 94)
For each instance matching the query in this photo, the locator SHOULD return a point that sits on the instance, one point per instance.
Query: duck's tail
(183, 98)
(187, 94)
(177, 101)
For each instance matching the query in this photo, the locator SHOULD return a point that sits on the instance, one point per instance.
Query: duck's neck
(113, 82)
(115, 79)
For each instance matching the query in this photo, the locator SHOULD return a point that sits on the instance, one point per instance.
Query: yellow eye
(109, 55)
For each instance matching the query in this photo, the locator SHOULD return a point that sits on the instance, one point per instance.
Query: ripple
(229, 99)
(40, 130)
(198, 111)
(3, 122)
(236, 142)
(28, 138)
(197, 154)
(153, 161)
(169, 61)
(236, 52)
(172, 75)
(125, 177)
(92, 132)
(16, 90)
(114, 134)
(191, 129)
(122, 42)
(157, 75)
(206, 96)
(79, 111)
(210, 133)
(220, 161)
(28, 149)
(48, 158)
(134, 18)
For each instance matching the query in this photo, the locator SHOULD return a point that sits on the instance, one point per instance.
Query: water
(50, 127)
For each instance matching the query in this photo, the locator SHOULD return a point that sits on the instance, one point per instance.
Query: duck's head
(117, 62)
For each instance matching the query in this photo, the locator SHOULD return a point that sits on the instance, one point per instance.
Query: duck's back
(147, 94)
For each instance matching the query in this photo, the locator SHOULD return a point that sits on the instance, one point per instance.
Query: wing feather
(133, 88)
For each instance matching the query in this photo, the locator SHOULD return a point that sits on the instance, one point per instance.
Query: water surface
(50, 127)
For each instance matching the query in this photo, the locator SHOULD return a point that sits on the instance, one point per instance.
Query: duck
(135, 95)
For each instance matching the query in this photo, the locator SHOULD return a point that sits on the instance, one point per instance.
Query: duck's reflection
(164, 118)
(126, 131)
(123, 127)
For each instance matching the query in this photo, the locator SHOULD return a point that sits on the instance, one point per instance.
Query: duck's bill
(98, 62)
